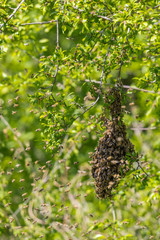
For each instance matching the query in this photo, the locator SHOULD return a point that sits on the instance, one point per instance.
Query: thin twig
(100, 88)
(101, 78)
(113, 212)
(57, 34)
(57, 67)
(125, 86)
(38, 23)
(99, 16)
(156, 6)
(55, 77)
(107, 7)
(142, 169)
(103, 17)
(14, 12)
(101, 32)
(143, 129)
(119, 83)
(140, 89)
(119, 73)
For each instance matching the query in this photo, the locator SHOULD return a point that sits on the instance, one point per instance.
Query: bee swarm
(115, 153)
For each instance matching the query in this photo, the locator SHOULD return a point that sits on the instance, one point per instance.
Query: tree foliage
(57, 61)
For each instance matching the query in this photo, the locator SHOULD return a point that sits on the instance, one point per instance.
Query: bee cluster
(115, 153)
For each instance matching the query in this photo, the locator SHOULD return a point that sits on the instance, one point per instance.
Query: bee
(21, 180)
(48, 162)
(10, 100)
(25, 199)
(15, 105)
(14, 112)
(110, 185)
(54, 205)
(41, 189)
(81, 172)
(28, 148)
(36, 179)
(6, 205)
(26, 206)
(76, 163)
(114, 162)
(38, 130)
(18, 165)
(34, 221)
(131, 104)
(61, 161)
(11, 219)
(78, 195)
(67, 190)
(24, 194)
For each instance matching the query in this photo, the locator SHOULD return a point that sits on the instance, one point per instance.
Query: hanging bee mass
(114, 155)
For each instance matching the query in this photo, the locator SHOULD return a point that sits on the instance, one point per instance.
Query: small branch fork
(14, 12)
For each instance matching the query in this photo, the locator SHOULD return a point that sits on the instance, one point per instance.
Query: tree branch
(57, 34)
(14, 12)
(57, 67)
(100, 88)
(38, 23)
(125, 86)
(156, 6)
(143, 129)
(119, 83)
(99, 16)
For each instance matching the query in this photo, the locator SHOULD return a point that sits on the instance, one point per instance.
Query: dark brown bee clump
(115, 153)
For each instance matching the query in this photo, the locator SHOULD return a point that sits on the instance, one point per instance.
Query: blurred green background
(46, 190)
